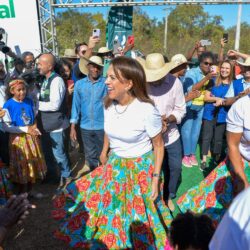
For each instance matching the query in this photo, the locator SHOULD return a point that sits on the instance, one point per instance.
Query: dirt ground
(36, 233)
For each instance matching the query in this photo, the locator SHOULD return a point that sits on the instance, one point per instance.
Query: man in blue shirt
(87, 106)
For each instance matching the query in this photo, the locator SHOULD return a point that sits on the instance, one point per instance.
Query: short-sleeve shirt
(210, 111)
(130, 128)
(21, 113)
(238, 121)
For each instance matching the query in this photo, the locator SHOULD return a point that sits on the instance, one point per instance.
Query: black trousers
(171, 167)
(212, 131)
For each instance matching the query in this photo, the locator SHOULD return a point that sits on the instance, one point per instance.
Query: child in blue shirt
(26, 158)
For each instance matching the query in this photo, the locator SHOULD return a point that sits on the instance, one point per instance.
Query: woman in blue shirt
(214, 116)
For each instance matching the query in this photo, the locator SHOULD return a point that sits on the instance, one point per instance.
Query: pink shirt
(169, 100)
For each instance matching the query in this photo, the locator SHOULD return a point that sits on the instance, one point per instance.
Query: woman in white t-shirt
(119, 205)
(214, 194)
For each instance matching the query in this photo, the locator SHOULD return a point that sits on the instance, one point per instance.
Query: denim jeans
(171, 168)
(93, 143)
(190, 129)
(53, 145)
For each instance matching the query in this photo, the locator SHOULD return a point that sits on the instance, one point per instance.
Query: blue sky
(228, 12)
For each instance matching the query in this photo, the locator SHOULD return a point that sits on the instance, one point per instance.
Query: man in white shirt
(233, 232)
(52, 118)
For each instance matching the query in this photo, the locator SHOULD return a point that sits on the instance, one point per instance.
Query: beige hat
(154, 66)
(178, 60)
(246, 63)
(69, 53)
(85, 61)
(104, 50)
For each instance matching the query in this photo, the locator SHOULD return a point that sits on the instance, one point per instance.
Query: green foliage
(186, 25)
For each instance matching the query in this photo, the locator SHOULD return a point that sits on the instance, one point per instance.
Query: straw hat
(178, 60)
(104, 50)
(69, 53)
(246, 63)
(97, 60)
(154, 66)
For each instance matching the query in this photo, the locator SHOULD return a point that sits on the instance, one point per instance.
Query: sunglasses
(207, 63)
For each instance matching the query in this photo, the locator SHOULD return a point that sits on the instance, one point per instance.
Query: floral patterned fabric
(5, 184)
(110, 208)
(26, 159)
(214, 194)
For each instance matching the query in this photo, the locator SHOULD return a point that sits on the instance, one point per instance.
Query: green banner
(119, 27)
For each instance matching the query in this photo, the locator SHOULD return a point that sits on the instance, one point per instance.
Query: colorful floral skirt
(110, 208)
(214, 194)
(26, 159)
(5, 185)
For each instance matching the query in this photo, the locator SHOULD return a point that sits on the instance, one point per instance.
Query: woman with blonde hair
(214, 116)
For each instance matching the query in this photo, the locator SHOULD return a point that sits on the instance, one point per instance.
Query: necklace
(123, 111)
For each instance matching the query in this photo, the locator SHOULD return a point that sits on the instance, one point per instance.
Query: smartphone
(204, 42)
(225, 37)
(96, 33)
(131, 39)
(214, 69)
(70, 83)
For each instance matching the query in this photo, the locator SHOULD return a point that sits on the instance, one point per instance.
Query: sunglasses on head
(207, 63)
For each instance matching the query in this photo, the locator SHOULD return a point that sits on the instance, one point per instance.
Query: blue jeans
(171, 168)
(93, 143)
(53, 144)
(190, 129)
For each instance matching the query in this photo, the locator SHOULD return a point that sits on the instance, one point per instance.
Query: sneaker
(193, 160)
(186, 162)
(203, 166)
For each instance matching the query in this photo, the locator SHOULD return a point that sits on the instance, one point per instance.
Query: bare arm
(221, 52)
(192, 50)
(237, 53)
(158, 146)
(233, 141)
(105, 150)
(209, 98)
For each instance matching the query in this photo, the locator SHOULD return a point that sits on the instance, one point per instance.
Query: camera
(5, 49)
(32, 76)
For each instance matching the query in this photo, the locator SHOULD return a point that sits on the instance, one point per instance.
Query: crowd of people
(138, 121)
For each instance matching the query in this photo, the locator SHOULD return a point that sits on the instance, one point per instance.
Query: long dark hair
(129, 69)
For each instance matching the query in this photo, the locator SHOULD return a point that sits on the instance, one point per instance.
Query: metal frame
(47, 12)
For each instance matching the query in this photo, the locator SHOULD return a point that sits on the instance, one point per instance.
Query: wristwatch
(156, 175)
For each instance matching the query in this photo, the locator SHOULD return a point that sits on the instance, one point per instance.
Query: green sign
(7, 11)
(119, 27)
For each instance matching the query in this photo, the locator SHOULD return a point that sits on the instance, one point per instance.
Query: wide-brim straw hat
(246, 63)
(179, 59)
(97, 60)
(69, 53)
(104, 50)
(154, 66)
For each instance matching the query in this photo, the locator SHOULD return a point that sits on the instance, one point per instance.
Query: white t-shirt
(129, 128)
(238, 121)
(233, 232)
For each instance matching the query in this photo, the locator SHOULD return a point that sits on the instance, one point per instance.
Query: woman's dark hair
(191, 230)
(59, 69)
(129, 69)
(206, 54)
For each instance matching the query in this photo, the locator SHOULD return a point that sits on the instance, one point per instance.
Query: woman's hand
(70, 89)
(155, 188)
(33, 131)
(103, 158)
(219, 102)
(2, 113)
